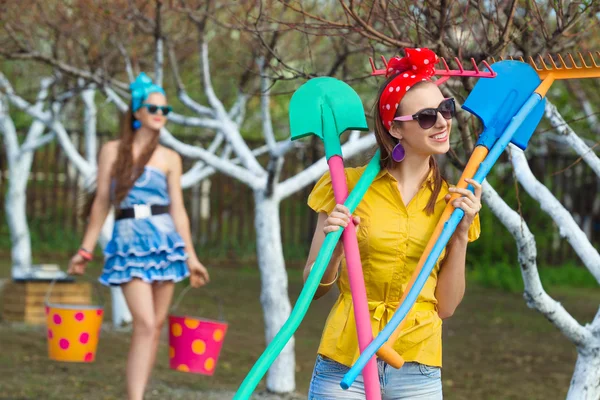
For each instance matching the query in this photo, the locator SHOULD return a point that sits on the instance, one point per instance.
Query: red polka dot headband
(416, 66)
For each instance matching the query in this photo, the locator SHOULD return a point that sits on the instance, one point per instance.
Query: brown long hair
(125, 170)
(386, 143)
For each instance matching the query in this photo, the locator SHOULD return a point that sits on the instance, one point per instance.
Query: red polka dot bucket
(73, 331)
(195, 343)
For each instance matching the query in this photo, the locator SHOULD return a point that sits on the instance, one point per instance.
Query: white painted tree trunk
(585, 384)
(274, 291)
(19, 167)
(16, 217)
(121, 316)
(568, 227)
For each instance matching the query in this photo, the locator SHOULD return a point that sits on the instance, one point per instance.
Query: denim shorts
(412, 381)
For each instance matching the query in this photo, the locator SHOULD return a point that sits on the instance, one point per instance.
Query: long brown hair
(386, 143)
(125, 170)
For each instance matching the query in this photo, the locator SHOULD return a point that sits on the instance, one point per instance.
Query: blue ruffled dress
(147, 248)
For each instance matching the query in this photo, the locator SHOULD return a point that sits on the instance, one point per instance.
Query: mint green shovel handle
(310, 287)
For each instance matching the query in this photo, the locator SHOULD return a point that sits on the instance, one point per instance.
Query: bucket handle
(186, 290)
(49, 291)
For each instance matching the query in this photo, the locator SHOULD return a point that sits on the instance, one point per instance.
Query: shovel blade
(496, 101)
(524, 133)
(320, 96)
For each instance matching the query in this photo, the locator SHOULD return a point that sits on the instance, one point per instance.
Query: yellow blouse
(391, 239)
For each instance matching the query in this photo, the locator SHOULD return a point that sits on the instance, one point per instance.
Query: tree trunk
(195, 210)
(205, 210)
(585, 384)
(274, 290)
(16, 217)
(15, 203)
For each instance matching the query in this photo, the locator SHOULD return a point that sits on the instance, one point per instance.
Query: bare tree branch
(97, 77)
(89, 125)
(33, 145)
(127, 60)
(579, 92)
(535, 295)
(195, 121)
(238, 110)
(595, 326)
(267, 124)
(159, 52)
(191, 177)
(563, 218)
(208, 88)
(50, 121)
(563, 128)
(181, 93)
(315, 171)
(227, 126)
(224, 166)
(202, 171)
(7, 126)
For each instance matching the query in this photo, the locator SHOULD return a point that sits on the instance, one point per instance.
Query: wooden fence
(222, 214)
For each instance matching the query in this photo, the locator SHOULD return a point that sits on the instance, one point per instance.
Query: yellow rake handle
(548, 74)
(386, 351)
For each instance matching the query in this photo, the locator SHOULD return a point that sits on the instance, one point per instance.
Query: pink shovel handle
(357, 282)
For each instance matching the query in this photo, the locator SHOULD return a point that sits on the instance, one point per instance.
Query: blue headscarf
(140, 89)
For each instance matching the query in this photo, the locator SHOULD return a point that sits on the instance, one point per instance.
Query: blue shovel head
(496, 101)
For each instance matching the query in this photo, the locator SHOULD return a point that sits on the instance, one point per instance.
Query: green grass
(508, 277)
(494, 347)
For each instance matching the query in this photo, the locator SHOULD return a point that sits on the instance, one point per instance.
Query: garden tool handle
(386, 352)
(543, 88)
(306, 296)
(480, 161)
(356, 280)
(390, 356)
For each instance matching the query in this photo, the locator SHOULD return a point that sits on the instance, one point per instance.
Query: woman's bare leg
(139, 297)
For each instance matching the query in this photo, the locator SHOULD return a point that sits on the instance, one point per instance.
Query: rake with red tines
(510, 108)
(445, 73)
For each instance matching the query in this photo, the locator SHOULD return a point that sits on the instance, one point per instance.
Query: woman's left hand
(198, 273)
(470, 203)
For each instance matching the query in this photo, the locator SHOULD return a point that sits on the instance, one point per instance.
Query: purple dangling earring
(398, 152)
(136, 125)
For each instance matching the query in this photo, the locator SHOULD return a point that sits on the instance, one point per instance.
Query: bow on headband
(417, 66)
(140, 89)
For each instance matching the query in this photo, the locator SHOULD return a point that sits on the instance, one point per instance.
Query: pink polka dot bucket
(195, 343)
(73, 331)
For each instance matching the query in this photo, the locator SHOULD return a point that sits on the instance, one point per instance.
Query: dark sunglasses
(428, 116)
(153, 109)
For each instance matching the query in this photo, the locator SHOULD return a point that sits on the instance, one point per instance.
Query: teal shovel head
(321, 100)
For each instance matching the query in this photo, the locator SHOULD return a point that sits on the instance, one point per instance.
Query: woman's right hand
(339, 217)
(77, 265)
